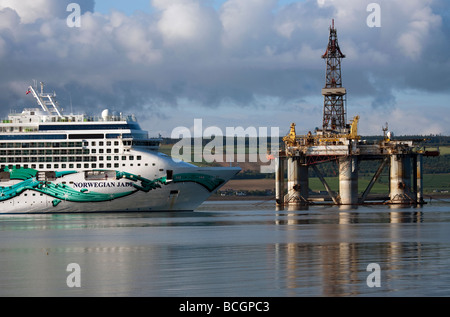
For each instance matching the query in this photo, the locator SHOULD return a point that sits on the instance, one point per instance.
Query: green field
(431, 182)
(444, 150)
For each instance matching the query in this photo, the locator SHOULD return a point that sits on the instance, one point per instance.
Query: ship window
(78, 165)
(86, 165)
(108, 143)
(131, 157)
(116, 164)
(101, 151)
(33, 137)
(63, 166)
(101, 143)
(169, 175)
(116, 150)
(124, 158)
(85, 136)
(93, 151)
(108, 158)
(93, 143)
(56, 166)
(108, 165)
(139, 158)
(101, 165)
(108, 150)
(116, 143)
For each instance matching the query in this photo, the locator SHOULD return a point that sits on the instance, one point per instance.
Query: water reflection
(333, 261)
(237, 249)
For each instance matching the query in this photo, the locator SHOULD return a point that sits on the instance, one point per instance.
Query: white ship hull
(184, 195)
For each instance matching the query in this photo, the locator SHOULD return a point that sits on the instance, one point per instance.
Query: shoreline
(216, 197)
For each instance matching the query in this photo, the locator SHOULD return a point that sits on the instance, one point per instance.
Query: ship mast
(47, 101)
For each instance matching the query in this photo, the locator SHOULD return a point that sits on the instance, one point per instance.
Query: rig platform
(339, 141)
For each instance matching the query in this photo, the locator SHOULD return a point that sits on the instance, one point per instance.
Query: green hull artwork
(62, 192)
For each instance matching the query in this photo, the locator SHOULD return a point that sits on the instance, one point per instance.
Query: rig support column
(292, 180)
(400, 179)
(304, 182)
(419, 179)
(298, 188)
(279, 181)
(348, 180)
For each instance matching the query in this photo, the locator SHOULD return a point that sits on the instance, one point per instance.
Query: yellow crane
(354, 129)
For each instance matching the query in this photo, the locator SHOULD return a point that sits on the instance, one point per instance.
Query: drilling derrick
(334, 114)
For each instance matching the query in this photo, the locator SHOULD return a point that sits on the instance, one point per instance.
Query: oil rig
(339, 141)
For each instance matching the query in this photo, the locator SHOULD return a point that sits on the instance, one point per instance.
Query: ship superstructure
(52, 162)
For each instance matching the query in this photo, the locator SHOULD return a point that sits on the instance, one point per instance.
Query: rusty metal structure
(334, 112)
(339, 141)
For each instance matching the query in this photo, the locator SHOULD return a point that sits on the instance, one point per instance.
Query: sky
(231, 63)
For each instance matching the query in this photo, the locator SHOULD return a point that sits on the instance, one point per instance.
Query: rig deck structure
(339, 141)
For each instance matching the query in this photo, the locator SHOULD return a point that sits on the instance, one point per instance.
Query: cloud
(251, 54)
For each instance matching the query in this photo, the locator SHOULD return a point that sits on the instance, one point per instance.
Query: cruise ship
(56, 163)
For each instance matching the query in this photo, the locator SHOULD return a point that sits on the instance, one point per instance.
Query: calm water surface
(230, 249)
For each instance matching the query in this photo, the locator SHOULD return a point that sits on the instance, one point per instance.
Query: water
(230, 249)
